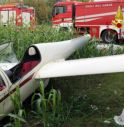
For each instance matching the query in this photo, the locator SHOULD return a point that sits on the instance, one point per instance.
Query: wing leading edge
(87, 66)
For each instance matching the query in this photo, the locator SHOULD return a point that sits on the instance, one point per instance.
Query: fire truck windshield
(58, 10)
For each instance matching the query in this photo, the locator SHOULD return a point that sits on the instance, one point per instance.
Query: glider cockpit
(31, 58)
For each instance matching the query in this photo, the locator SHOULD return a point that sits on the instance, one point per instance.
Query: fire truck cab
(17, 14)
(89, 17)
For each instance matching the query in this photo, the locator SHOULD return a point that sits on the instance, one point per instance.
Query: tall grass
(91, 50)
(23, 37)
(19, 114)
(48, 107)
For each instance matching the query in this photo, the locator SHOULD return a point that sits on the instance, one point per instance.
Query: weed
(49, 107)
(19, 114)
(22, 37)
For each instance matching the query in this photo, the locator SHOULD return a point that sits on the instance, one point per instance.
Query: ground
(96, 98)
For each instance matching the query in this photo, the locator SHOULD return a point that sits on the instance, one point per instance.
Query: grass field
(95, 98)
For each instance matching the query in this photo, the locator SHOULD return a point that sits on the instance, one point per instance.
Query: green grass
(18, 116)
(48, 107)
(94, 98)
(90, 50)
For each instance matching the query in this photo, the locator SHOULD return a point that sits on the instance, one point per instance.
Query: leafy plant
(19, 114)
(23, 37)
(49, 107)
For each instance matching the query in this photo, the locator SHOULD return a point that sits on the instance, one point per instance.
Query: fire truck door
(7, 17)
(4, 17)
(26, 19)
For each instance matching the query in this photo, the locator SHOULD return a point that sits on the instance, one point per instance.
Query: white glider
(25, 72)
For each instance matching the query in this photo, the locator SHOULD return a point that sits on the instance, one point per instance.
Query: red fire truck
(17, 14)
(91, 17)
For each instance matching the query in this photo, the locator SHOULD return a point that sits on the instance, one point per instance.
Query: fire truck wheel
(109, 36)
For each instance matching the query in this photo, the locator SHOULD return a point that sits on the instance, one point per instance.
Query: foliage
(92, 50)
(23, 37)
(41, 9)
(93, 99)
(18, 117)
(49, 107)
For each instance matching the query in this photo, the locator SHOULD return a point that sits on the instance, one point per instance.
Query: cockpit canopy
(30, 60)
(32, 53)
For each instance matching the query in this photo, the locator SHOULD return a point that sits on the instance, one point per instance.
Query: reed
(23, 37)
(17, 118)
(48, 106)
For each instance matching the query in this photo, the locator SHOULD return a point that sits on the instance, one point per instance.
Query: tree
(43, 8)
